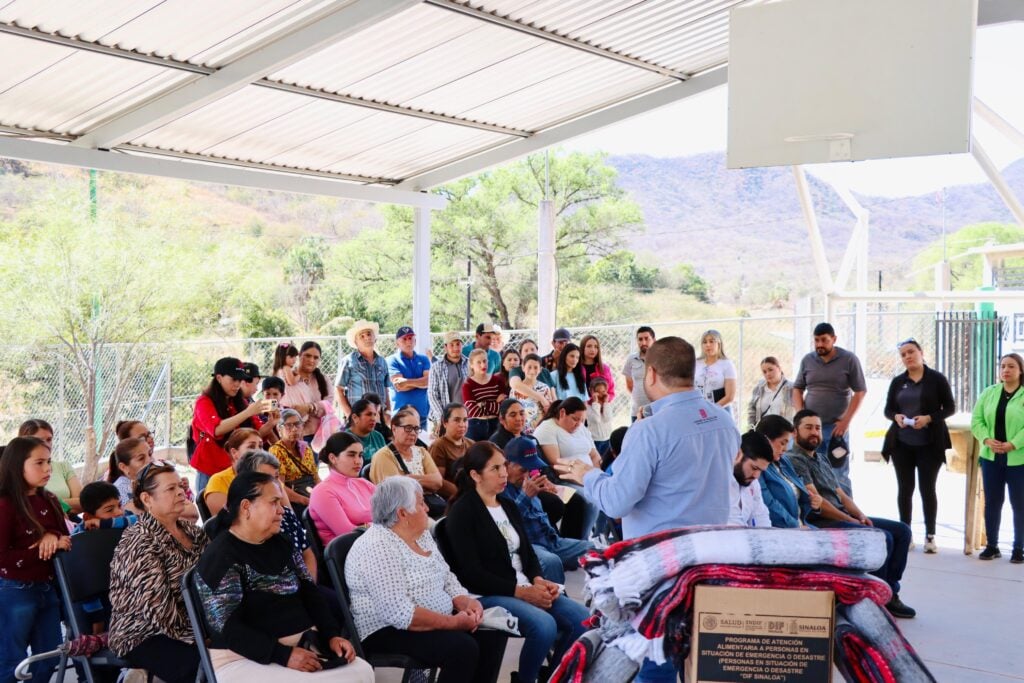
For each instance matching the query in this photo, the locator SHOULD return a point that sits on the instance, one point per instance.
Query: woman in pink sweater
(341, 502)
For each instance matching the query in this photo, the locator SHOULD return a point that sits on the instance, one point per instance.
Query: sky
(998, 82)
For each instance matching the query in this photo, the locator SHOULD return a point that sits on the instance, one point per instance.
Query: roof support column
(547, 273)
(817, 246)
(996, 178)
(421, 279)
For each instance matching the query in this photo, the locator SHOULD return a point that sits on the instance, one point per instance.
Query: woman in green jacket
(998, 423)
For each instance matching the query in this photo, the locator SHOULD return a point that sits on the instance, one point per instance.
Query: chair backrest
(204, 509)
(317, 544)
(83, 573)
(197, 617)
(365, 472)
(334, 557)
(444, 544)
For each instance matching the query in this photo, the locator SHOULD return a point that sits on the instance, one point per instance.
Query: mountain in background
(743, 228)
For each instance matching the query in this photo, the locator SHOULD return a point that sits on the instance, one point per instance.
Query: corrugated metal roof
(455, 77)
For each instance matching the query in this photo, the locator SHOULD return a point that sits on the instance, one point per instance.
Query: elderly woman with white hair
(405, 598)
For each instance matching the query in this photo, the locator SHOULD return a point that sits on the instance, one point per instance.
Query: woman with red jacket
(220, 410)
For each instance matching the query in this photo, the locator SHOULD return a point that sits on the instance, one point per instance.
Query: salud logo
(703, 414)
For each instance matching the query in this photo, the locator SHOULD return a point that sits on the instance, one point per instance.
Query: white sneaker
(912, 545)
(929, 545)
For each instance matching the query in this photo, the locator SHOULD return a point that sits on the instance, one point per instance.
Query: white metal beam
(421, 279)
(1010, 131)
(543, 34)
(547, 282)
(327, 29)
(576, 127)
(996, 295)
(996, 178)
(813, 233)
(859, 233)
(56, 153)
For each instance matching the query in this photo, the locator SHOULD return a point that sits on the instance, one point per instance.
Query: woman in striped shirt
(482, 393)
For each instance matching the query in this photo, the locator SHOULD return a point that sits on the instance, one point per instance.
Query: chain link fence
(158, 384)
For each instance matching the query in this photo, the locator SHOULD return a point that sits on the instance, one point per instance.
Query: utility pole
(469, 298)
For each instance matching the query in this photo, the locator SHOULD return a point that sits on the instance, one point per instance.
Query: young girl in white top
(600, 414)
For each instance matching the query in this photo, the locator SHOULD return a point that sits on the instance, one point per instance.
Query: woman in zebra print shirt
(149, 624)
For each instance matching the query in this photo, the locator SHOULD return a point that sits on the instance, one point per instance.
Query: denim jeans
(843, 469)
(202, 479)
(561, 555)
(559, 626)
(481, 429)
(30, 613)
(657, 673)
(996, 477)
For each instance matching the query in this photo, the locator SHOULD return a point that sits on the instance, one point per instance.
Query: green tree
(965, 270)
(693, 284)
(304, 270)
(621, 267)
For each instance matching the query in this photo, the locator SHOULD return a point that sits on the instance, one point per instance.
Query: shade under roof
(374, 92)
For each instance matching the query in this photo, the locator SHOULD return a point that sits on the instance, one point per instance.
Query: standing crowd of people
(516, 453)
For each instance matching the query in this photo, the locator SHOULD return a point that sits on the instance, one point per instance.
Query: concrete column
(421, 278)
(547, 274)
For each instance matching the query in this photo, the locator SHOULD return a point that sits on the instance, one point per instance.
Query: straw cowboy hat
(357, 327)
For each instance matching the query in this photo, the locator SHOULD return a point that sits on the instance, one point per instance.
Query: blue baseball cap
(404, 331)
(523, 452)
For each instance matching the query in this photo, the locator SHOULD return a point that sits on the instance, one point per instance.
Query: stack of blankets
(641, 593)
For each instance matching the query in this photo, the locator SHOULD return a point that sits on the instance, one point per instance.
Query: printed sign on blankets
(755, 635)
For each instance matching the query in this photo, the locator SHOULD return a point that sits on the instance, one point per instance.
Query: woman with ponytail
(278, 628)
(492, 556)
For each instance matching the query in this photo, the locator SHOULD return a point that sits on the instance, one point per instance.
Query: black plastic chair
(197, 617)
(317, 544)
(204, 509)
(334, 557)
(443, 543)
(83, 574)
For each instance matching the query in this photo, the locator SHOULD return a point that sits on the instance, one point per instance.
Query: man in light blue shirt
(675, 466)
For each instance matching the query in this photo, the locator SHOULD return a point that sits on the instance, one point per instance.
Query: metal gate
(968, 347)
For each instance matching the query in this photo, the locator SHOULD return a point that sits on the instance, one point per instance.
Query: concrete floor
(968, 628)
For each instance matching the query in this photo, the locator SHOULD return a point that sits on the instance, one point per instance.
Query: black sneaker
(1017, 556)
(899, 610)
(989, 553)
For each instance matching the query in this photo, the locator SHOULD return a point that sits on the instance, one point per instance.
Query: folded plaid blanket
(590, 660)
(626, 574)
(856, 660)
(881, 641)
(668, 613)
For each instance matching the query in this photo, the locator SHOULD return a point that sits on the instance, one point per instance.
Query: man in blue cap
(410, 374)
(525, 481)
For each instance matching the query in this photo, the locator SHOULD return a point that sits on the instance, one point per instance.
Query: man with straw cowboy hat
(364, 371)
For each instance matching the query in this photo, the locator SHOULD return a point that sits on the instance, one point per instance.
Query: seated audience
(273, 391)
(149, 625)
(241, 441)
(492, 556)
(341, 502)
(531, 390)
(403, 457)
(266, 618)
(839, 510)
(362, 424)
(299, 472)
(450, 445)
(788, 501)
(64, 483)
(101, 508)
(384, 413)
(745, 505)
(406, 600)
(130, 456)
(562, 435)
(511, 422)
(525, 482)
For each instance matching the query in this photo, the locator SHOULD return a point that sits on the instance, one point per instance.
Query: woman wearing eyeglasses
(298, 462)
(918, 403)
(415, 460)
(149, 625)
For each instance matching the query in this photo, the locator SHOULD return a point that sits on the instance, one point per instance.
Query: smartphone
(273, 404)
(534, 473)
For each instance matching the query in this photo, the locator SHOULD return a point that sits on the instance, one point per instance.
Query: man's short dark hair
(802, 415)
(674, 361)
(615, 439)
(97, 494)
(755, 446)
(824, 328)
(273, 383)
(774, 426)
(644, 328)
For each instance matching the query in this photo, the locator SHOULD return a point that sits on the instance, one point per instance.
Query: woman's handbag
(436, 504)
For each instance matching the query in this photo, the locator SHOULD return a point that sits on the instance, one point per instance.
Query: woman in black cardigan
(492, 556)
(918, 404)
